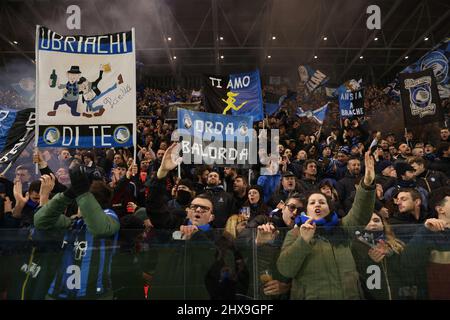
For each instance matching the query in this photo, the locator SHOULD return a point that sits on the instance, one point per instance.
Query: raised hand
(47, 184)
(369, 175)
(307, 230)
(266, 233)
(7, 205)
(170, 160)
(18, 195)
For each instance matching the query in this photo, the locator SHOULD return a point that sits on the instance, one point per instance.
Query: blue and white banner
(208, 125)
(312, 79)
(213, 138)
(351, 99)
(16, 132)
(236, 94)
(437, 60)
(318, 114)
(86, 90)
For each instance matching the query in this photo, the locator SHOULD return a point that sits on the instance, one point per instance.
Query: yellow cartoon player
(230, 102)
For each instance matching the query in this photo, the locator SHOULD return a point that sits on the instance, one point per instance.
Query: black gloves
(79, 183)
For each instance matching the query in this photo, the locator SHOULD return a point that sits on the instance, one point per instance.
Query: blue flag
(318, 114)
(16, 131)
(273, 102)
(236, 94)
(311, 78)
(437, 60)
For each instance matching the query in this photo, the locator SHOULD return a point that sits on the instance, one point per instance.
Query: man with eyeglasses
(199, 211)
(285, 217)
(183, 269)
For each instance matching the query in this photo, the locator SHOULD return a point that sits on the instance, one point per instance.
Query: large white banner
(86, 90)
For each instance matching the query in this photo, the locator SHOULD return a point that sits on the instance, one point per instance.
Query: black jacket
(224, 205)
(345, 187)
(443, 165)
(430, 180)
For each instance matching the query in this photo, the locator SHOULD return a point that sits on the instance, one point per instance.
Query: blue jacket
(269, 184)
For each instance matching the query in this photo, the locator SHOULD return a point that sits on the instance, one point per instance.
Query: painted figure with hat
(91, 93)
(71, 93)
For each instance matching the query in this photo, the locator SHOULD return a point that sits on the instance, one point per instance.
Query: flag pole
(36, 96)
(7, 168)
(406, 136)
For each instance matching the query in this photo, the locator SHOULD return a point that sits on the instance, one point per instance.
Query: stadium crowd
(344, 197)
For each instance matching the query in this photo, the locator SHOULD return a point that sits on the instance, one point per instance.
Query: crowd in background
(410, 188)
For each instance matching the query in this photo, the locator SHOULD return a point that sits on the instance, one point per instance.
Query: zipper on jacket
(385, 271)
(22, 296)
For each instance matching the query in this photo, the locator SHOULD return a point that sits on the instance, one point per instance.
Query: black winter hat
(383, 165)
(402, 167)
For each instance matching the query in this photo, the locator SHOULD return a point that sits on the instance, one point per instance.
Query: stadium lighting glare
(169, 38)
(361, 57)
(425, 39)
(274, 38)
(315, 57)
(376, 39)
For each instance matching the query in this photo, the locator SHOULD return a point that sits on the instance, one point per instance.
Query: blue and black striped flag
(16, 131)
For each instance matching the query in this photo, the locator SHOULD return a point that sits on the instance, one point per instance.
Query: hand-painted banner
(215, 139)
(420, 98)
(86, 90)
(351, 99)
(236, 94)
(16, 131)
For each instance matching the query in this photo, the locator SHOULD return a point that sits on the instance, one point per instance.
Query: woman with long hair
(255, 202)
(377, 245)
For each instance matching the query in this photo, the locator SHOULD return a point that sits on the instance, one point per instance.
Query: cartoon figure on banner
(420, 96)
(91, 93)
(70, 93)
(230, 102)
